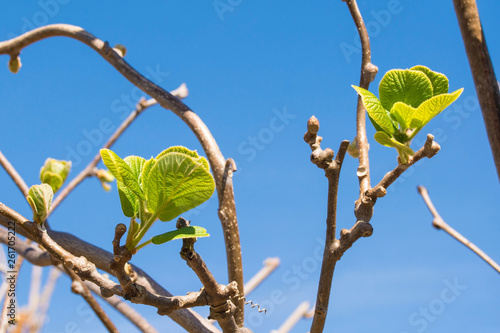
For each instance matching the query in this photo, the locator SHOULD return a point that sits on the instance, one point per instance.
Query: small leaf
(175, 184)
(186, 232)
(40, 198)
(122, 172)
(432, 107)
(403, 114)
(378, 115)
(384, 139)
(54, 172)
(407, 86)
(439, 81)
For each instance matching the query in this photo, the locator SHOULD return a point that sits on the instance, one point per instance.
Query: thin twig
(439, 223)
(368, 72)
(482, 72)
(227, 211)
(270, 264)
(300, 312)
(45, 297)
(125, 309)
(89, 170)
(78, 287)
(11, 171)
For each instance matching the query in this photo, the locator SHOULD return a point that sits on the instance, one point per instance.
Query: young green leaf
(439, 81)
(431, 108)
(384, 139)
(403, 114)
(54, 172)
(175, 184)
(376, 111)
(40, 198)
(407, 86)
(184, 150)
(122, 172)
(128, 200)
(186, 232)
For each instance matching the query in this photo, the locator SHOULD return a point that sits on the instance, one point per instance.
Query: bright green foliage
(164, 187)
(105, 177)
(40, 198)
(54, 173)
(409, 99)
(186, 232)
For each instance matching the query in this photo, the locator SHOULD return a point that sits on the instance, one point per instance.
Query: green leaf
(186, 232)
(184, 150)
(384, 139)
(407, 86)
(122, 172)
(128, 199)
(177, 183)
(54, 172)
(439, 81)
(432, 107)
(403, 114)
(378, 115)
(40, 198)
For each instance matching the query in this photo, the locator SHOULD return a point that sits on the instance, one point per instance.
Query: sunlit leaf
(384, 139)
(407, 86)
(439, 81)
(40, 199)
(186, 232)
(376, 111)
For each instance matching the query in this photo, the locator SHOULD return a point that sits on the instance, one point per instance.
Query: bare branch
(218, 296)
(30, 252)
(11, 171)
(482, 71)
(439, 223)
(368, 72)
(78, 287)
(227, 209)
(300, 312)
(324, 160)
(89, 170)
(85, 267)
(125, 309)
(270, 264)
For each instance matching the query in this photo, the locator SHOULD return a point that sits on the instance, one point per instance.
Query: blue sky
(256, 72)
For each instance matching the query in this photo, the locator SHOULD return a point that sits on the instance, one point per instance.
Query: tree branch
(227, 211)
(482, 72)
(78, 287)
(89, 170)
(300, 312)
(11, 171)
(324, 160)
(439, 223)
(83, 259)
(368, 72)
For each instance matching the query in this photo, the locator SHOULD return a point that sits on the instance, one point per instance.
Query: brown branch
(89, 170)
(324, 160)
(11, 171)
(270, 264)
(78, 287)
(368, 72)
(85, 266)
(227, 211)
(482, 71)
(125, 309)
(439, 223)
(218, 296)
(32, 253)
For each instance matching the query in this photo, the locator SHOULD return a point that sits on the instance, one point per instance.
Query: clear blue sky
(256, 73)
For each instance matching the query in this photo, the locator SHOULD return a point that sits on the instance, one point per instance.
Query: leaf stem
(144, 244)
